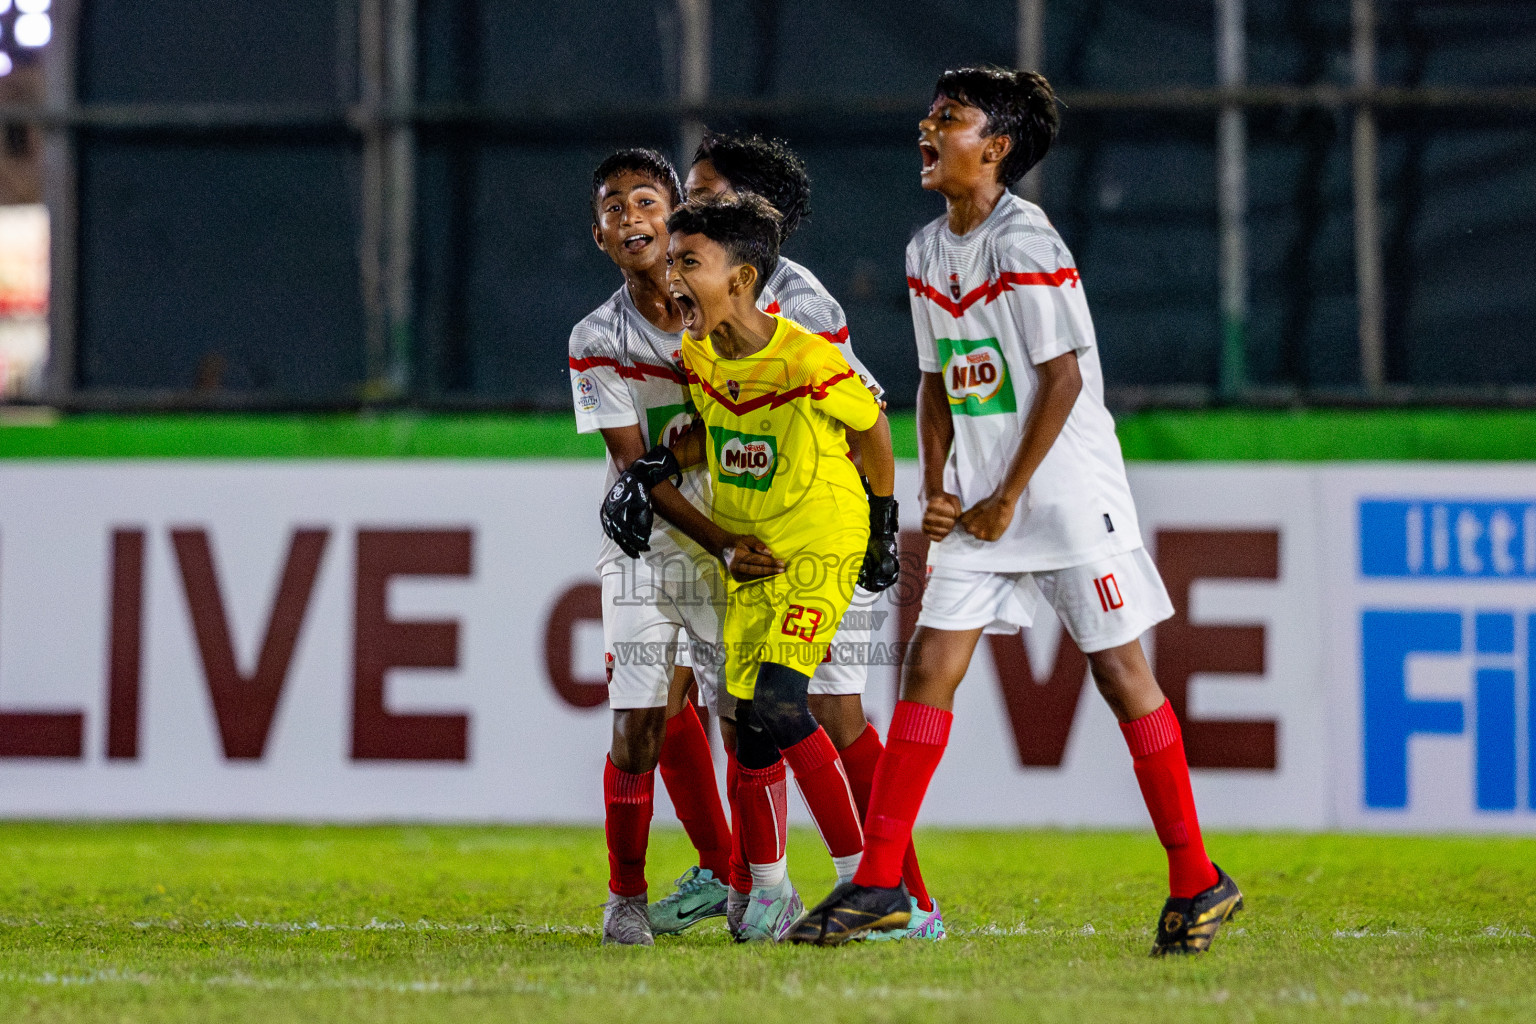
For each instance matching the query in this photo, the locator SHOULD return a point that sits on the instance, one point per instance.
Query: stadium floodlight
(29, 6)
(34, 30)
(5, 5)
(5, 64)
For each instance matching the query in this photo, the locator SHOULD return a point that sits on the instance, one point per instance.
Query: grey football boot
(625, 922)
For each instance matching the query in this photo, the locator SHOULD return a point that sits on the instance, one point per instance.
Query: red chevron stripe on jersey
(638, 371)
(774, 399)
(990, 290)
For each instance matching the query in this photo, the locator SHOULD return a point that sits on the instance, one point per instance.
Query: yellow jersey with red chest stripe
(774, 429)
(779, 468)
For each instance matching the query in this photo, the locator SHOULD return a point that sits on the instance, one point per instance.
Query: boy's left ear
(744, 278)
(998, 147)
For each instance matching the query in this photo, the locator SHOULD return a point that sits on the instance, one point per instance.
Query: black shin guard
(780, 704)
(754, 747)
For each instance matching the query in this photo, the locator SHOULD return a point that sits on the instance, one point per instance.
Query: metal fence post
(1368, 271)
(387, 62)
(1232, 197)
(400, 193)
(1031, 50)
(693, 71)
(61, 193)
(370, 245)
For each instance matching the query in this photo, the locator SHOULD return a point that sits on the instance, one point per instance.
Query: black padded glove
(881, 567)
(627, 514)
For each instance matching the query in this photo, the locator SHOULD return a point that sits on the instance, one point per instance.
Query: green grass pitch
(467, 924)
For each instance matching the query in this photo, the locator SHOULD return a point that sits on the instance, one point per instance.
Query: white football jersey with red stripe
(794, 293)
(625, 371)
(986, 308)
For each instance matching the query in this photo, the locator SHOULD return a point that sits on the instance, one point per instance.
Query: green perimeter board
(1215, 435)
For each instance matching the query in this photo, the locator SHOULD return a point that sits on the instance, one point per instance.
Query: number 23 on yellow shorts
(789, 619)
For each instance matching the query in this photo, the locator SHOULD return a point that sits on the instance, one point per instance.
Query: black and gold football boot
(1188, 924)
(851, 912)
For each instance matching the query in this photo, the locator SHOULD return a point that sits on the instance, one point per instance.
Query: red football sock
(1157, 746)
(916, 742)
(859, 760)
(764, 802)
(689, 775)
(819, 774)
(629, 802)
(740, 876)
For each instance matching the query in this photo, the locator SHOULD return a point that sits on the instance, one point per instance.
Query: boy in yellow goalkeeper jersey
(789, 520)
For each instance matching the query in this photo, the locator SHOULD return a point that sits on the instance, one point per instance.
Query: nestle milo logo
(976, 376)
(668, 423)
(746, 460)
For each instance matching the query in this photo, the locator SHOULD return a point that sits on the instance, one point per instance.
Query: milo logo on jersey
(665, 424)
(976, 376)
(745, 460)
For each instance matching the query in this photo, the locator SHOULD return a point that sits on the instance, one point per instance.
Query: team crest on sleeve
(587, 398)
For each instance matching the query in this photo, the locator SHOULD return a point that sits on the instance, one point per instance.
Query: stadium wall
(396, 618)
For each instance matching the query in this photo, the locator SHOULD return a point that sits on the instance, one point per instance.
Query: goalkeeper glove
(881, 566)
(627, 514)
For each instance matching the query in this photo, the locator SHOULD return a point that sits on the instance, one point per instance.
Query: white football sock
(846, 866)
(770, 876)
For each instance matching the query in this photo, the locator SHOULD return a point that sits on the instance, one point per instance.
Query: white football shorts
(1103, 604)
(846, 669)
(648, 621)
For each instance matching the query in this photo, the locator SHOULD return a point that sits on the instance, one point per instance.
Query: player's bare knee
(929, 675)
(1125, 680)
(637, 738)
(1114, 695)
(841, 715)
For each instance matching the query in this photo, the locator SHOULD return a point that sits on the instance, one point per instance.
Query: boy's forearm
(682, 513)
(1060, 384)
(935, 431)
(689, 449)
(876, 459)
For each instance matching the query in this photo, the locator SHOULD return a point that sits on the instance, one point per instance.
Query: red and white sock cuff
(921, 723)
(1151, 733)
(772, 775)
(813, 752)
(623, 787)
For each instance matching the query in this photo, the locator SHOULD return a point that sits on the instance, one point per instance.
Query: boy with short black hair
(728, 165)
(628, 383)
(1025, 494)
(790, 522)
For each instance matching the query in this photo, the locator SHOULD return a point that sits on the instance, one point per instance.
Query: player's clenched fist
(746, 558)
(626, 514)
(940, 516)
(989, 518)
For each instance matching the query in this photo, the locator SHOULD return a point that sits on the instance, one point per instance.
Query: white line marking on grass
(1386, 933)
(109, 975)
(373, 925)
